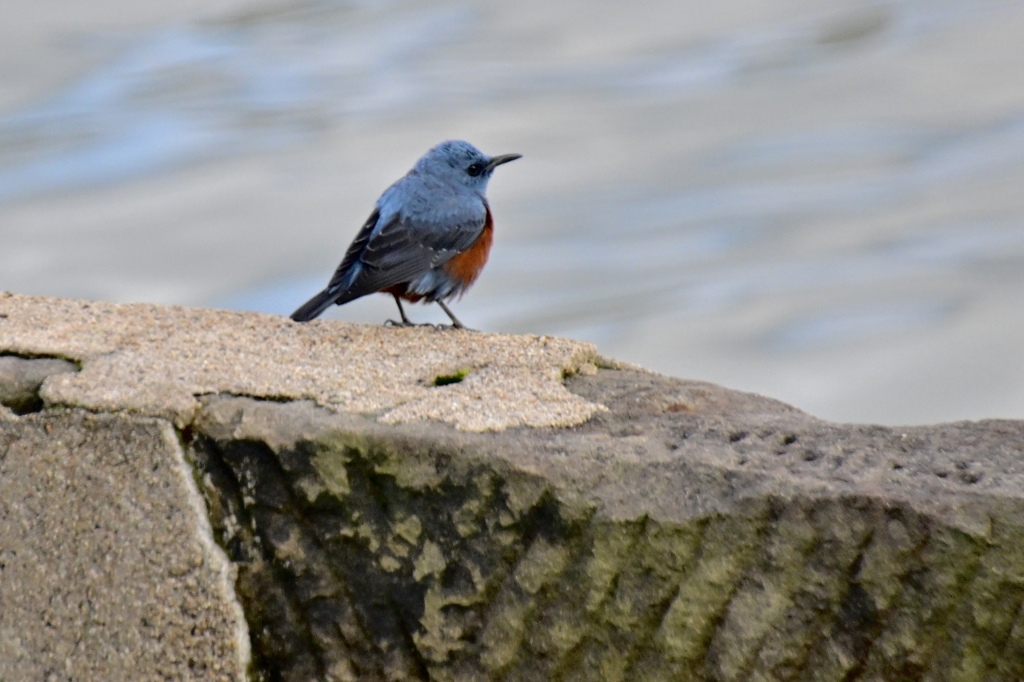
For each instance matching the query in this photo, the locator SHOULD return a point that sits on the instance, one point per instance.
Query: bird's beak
(500, 159)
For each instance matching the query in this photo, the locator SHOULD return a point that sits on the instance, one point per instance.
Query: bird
(427, 238)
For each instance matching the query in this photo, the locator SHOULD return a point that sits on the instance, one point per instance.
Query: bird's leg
(401, 311)
(455, 321)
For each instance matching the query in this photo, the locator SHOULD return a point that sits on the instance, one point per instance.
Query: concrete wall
(193, 494)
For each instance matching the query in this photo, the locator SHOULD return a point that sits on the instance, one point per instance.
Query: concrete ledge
(587, 521)
(156, 360)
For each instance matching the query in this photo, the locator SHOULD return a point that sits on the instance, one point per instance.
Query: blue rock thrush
(427, 239)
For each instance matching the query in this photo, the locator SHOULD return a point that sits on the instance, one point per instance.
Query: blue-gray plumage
(427, 238)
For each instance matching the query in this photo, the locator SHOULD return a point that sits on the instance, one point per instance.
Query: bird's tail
(316, 305)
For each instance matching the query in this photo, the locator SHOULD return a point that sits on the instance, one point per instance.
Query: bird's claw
(399, 324)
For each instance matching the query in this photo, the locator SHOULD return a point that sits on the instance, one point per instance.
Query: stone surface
(107, 568)
(155, 360)
(688, 533)
(668, 530)
(21, 379)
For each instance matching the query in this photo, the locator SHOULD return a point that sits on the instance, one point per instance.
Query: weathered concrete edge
(960, 546)
(578, 482)
(329, 421)
(225, 570)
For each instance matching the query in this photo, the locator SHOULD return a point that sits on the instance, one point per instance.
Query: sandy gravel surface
(156, 360)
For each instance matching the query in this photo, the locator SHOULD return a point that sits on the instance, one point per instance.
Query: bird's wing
(422, 228)
(355, 250)
(405, 248)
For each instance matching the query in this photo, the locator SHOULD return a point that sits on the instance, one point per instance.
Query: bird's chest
(466, 266)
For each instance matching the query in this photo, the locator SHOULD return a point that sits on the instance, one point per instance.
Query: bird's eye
(475, 169)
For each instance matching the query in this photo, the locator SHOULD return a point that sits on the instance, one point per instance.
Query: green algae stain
(430, 562)
(727, 547)
(453, 378)
(409, 529)
(541, 566)
(611, 548)
(331, 466)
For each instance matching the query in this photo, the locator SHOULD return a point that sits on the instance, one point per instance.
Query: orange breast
(467, 265)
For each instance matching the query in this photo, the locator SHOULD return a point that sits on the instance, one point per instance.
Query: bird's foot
(455, 321)
(399, 324)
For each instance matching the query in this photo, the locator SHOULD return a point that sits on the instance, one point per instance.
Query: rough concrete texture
(21, 379)
(107, 569)
(682, 531)
(156, 360)
(688, 533)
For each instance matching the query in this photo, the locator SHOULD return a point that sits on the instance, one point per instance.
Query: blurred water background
(818, 201)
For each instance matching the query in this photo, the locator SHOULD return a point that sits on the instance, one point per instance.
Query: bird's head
(462, 164)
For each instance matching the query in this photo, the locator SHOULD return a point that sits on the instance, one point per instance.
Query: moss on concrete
(444, 562)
